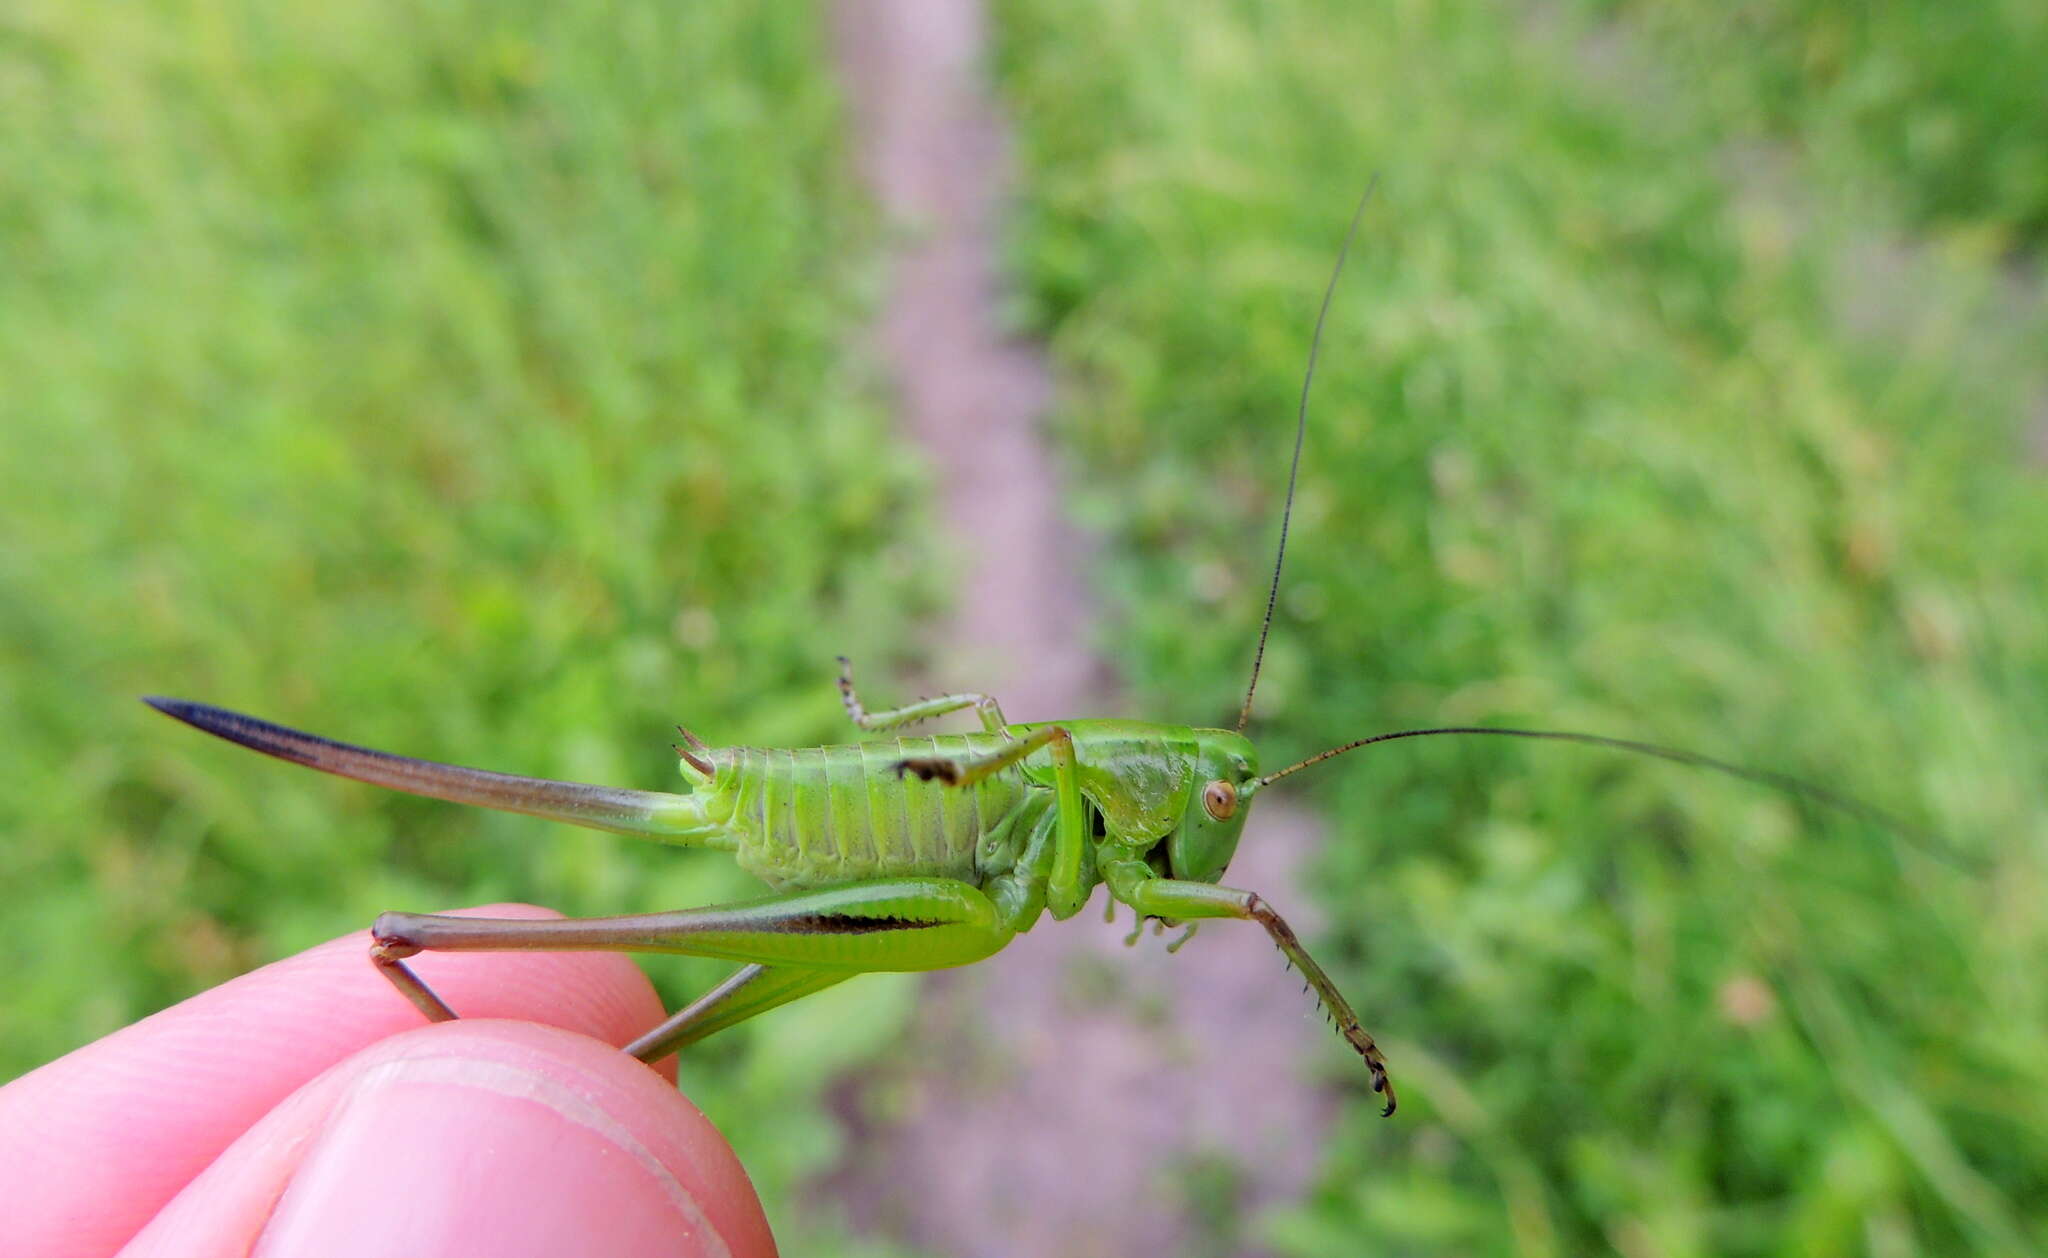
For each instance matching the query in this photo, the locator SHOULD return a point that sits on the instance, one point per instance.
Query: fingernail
(453, 1155)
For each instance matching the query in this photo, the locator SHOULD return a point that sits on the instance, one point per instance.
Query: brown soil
(1070, 1096)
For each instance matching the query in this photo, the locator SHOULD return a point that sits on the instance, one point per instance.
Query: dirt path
(1071, 1097)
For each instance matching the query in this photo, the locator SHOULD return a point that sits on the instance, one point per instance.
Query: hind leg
(885, 924)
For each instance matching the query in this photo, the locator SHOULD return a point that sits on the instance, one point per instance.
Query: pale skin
(300, 1109)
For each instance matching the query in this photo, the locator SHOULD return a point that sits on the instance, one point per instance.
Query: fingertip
(477, 1137)
(510, 1138)
(153, 1104)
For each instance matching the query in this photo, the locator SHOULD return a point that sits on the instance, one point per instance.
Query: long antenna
(1315, 345)
(1799, 788)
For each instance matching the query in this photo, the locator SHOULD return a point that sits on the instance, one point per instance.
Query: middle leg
(1067, 884)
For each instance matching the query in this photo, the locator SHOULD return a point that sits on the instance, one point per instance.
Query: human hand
(305, 1109)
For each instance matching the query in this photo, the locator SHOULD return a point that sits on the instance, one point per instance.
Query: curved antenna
(1315, 345)
(650, 813)
(1927, 841)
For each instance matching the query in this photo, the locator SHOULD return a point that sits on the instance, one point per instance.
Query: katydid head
(1226, 774)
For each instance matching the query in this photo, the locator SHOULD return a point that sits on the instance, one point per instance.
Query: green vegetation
(1638, 414)
(471, 381)
(1938, 105)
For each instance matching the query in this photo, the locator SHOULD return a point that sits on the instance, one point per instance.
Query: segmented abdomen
(817, 816)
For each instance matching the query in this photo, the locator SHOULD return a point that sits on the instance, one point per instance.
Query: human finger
(100, 1139)
(473, 1137)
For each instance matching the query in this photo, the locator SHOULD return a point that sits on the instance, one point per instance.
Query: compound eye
(1220, 799)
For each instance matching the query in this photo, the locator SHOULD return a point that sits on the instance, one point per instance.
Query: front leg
(1133, 882)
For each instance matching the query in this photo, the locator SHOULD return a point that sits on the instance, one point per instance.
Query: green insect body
(823, 816)
(894, 854)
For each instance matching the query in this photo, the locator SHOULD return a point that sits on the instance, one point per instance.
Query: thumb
(474, 1137)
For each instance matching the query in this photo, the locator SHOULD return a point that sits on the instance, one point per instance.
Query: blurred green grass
(1639, 413)
(472, 381)
(1937, 105)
